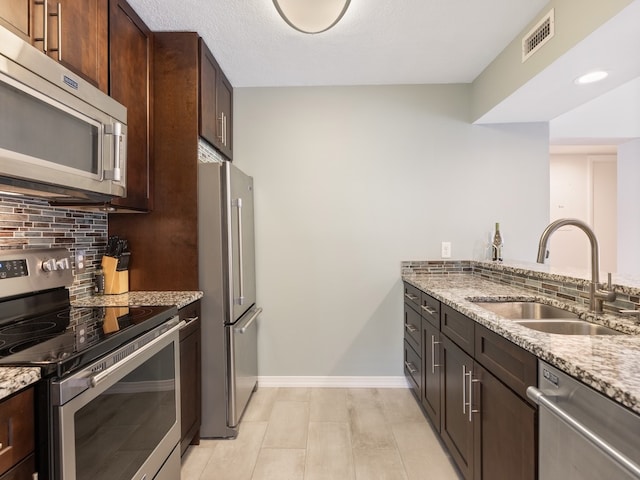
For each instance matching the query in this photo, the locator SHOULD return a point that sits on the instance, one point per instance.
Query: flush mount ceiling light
(591, 77)
(311, 16)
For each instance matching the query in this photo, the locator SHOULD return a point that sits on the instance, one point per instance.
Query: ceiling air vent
(538, 35)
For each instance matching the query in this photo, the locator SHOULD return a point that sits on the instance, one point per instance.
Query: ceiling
(377, 42)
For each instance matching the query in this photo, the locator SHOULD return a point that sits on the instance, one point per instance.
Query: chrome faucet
(596, 296)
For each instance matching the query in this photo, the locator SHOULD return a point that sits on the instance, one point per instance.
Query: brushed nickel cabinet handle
(45, 25)
(59, 15)
(410, 367)
(428, 309)
(410, 327)
(433, 354)
(410, 297)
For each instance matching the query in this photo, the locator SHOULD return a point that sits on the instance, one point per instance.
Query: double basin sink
(546, 318)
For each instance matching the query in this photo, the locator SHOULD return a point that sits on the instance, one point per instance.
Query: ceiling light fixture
(311, 16)
(591, 77)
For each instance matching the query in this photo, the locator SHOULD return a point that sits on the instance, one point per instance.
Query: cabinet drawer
(412, 323)
(458, 328)
(17, 433)
(189, 313)
(513, 365)
(430, 309)
(24, 470)
(412, 295)
(413, 368)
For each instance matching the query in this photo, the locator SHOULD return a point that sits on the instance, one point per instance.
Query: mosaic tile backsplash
(32, 223)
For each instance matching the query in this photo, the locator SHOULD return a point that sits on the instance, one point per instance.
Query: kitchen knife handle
(240, 299)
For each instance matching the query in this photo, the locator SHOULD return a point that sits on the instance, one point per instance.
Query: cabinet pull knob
(410, 367)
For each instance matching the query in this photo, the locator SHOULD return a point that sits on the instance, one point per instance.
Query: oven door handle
(99, 377)
(618, 457)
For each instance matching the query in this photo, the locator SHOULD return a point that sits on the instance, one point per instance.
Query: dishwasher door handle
(542, 400)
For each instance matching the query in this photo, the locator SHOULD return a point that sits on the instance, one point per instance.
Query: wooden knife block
(114, 281)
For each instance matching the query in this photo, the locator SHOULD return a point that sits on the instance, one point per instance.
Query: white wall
(628, 208)
(350, 181)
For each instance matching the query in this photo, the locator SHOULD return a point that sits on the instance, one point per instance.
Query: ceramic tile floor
(325, 433)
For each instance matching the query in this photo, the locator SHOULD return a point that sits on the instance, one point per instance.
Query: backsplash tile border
(552, 285)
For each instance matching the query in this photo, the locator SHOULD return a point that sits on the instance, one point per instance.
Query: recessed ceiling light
(591, 77)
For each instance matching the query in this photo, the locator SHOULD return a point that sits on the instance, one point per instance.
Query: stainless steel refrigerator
(229, 313)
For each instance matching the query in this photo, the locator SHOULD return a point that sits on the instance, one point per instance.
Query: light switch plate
(446, 250)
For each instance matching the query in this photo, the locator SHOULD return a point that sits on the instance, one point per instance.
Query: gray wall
(350, 181)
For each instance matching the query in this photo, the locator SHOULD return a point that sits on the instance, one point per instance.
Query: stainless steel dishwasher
(583, 435)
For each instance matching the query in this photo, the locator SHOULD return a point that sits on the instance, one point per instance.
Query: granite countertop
(13, 379)
(608, 363)
(150, 298)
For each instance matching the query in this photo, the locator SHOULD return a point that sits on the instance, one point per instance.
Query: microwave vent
(540, 34)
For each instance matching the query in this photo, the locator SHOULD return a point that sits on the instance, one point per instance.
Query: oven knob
(62, 264)
(49, 265)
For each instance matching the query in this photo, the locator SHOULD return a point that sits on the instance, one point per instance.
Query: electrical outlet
(446, 250)
(81, 260)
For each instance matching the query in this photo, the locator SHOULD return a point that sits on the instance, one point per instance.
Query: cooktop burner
(64, 340)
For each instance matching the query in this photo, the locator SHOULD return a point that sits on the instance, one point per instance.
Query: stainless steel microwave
(60, 137)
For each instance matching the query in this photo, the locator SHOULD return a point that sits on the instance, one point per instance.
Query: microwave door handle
(116, 131)
(240, 299)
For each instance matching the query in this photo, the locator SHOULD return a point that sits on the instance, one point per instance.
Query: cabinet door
(78, 38)
(130, 66)
(456, 426)
(17, 434)
(209, 72)
(190, 376)
(224, 114)
(505, 430)
(432, 388)
(15, 15)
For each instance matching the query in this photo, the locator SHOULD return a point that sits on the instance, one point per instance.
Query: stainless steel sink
(546, 318)
(526, 310)
(568, 327)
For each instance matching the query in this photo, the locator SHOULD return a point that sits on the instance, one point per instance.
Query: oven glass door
(127, 426)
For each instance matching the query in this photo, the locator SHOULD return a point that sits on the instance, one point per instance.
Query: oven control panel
(25, 271)
(13, 268)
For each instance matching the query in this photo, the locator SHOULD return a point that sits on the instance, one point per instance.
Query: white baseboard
(334, 382)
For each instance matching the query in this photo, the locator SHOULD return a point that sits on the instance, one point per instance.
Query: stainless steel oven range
(108, 404)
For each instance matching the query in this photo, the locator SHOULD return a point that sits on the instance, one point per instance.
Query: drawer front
(17, 433)
(23, 471)
(513, 365)
(458, 327)
(412, 295)
(412, 368)
(430, 309)
(189, 314)
(412, 324)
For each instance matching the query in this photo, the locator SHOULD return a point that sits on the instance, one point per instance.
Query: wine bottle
(497, 245)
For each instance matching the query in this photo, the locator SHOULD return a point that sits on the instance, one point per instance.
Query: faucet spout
(596, 296)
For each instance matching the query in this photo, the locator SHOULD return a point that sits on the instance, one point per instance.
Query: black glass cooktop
(64, 340)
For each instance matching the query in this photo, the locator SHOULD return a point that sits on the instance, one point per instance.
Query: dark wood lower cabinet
(190, 376)
(457, 423)
(504, 431)
(17, 436)
(432, 385)
(472, 388)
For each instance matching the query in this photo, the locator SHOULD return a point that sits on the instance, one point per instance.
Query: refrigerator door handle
(240, 299)
(247, 323)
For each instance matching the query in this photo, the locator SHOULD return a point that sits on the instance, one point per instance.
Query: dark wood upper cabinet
(215, 103)
(130, 83)
(15, 15)
(76, 33)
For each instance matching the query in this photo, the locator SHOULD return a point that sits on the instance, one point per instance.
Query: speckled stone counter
(177, 298)
(609, 364)
(13, 379)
